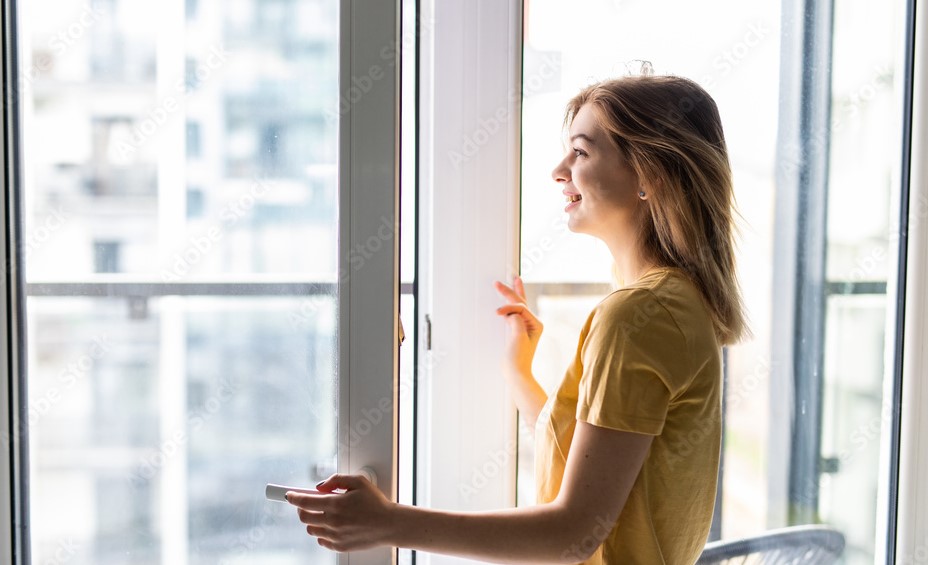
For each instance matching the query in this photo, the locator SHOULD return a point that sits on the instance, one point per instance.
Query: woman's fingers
(507, 309)
(518, 286)
(309, 501)
(516, 322)
(319, 531)
(514, 294)
(508, 293)
(311, 518)
(516, 308)
(528, 320)
(347, 482)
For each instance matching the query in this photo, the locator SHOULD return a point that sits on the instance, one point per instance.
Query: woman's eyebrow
(583, 136)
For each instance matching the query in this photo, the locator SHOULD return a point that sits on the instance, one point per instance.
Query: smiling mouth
(573, 198)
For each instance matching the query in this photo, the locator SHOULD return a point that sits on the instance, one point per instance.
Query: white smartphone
(278, 492)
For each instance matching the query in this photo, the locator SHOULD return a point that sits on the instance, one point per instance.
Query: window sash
(369, 150)
(368, 299)
(908, 538)
(469, 200)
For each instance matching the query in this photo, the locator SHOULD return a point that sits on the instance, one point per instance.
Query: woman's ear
(645, 189)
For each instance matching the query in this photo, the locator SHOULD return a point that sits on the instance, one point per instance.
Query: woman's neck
(631, 263)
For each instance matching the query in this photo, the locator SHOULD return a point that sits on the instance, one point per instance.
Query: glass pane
(734, 52)
(180, 213)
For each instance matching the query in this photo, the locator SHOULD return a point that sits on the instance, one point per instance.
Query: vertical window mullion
(802, 182)
(14, 537)
(170, 60)
(907, 541)
(809, 338)
(368, 183)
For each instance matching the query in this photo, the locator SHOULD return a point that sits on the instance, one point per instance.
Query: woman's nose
(560, 173)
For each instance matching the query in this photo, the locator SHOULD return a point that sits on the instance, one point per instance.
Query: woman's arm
(601, 468)
(528, 395)
(524, 332)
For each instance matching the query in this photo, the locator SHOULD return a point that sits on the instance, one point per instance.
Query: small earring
(641, 194)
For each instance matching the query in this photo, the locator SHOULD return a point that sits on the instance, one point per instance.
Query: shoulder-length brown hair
(669, 130)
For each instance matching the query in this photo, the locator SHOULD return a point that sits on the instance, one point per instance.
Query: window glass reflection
(180, 255)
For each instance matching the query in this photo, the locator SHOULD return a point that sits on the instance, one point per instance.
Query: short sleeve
(627, 356)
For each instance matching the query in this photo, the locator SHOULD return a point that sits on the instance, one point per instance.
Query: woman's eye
(579, 152)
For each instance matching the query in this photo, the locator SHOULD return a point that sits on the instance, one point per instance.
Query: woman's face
(596, 171)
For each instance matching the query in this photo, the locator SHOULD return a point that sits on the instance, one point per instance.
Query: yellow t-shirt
(648, 362)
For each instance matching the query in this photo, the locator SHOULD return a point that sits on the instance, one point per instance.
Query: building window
(106, 256)
(194, 140)
(195, 202)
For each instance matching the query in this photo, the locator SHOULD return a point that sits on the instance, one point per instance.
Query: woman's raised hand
(525, 328)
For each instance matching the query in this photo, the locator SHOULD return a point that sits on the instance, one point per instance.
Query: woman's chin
(575, 224)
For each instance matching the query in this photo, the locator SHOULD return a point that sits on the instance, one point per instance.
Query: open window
(207, 248)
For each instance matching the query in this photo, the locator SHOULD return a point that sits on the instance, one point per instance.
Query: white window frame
(470, 80)
(369, 149)
(912, 512)
(13, 455)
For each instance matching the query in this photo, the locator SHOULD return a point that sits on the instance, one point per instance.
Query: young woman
(627, 448)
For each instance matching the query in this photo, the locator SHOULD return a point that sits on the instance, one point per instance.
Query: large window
(812, 118)
(202, 279)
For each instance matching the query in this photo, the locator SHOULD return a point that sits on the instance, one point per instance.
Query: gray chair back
(805, 545)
